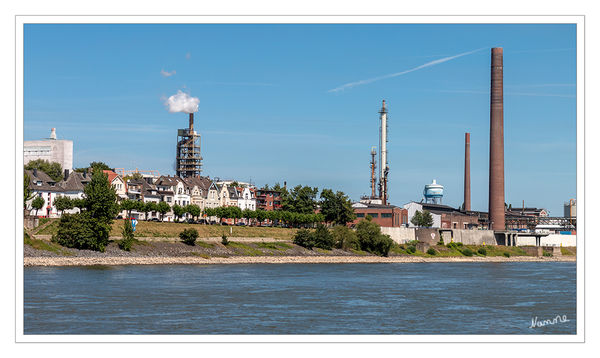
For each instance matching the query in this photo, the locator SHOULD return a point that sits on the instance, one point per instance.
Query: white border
(295, 19)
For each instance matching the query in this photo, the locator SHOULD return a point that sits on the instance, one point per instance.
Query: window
(360, 215)
(386, 215)
(168, 199)
(373, 215)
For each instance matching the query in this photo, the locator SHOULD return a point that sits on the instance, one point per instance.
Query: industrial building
(188, 161)
(50, 149)
(383, 215)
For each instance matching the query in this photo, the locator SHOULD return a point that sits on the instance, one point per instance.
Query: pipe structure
(191, 126)
(467, 190)
(383, 164)
(373, 166)
(496, 188)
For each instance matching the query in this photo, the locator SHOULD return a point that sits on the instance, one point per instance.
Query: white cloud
(182, 102)
(167, 73)
(425, 65)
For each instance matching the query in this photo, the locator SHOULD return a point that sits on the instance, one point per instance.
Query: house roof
(168, 181)
(75, 182)
(47, 183)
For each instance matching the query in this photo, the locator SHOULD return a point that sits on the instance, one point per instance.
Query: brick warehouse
(383, 215)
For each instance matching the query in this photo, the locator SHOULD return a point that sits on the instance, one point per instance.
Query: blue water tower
(433, 193)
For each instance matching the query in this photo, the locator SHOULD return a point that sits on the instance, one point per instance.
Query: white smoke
(182, 102)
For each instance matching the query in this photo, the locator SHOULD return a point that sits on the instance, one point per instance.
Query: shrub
(411, 249)
(371, 239)
(189, 236)
(547, 254)
(482, 251)
(304, 238)
(431, 251)
(322, 238)
(467, 252)
(344, 238)
(127, 241)
(224, 240)
(81, 231)
(506, 254)
(441, 242)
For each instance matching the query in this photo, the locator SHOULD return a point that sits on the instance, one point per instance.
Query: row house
(246, 198)
(118, 183)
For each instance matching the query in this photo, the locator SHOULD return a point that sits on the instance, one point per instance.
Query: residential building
(268, 199)
(45, 187)
(246, 198)
(117, 182)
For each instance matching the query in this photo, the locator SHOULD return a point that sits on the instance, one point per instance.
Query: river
(403, 298)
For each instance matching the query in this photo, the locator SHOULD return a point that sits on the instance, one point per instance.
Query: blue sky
(267, 111)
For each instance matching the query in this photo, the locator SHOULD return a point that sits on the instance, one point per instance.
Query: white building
(246, 199)
(50, 149)
(413, 207)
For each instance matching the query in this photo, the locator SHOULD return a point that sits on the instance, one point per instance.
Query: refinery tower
(188, 161)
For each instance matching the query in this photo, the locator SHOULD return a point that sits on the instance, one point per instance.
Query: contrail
(428, 64)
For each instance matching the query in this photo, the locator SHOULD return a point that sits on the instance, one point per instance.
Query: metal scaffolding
(188, 158)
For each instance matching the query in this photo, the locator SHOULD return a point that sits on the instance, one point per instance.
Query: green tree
(304, 238)
(371, 239)
(261, 215)
(193, 210)
(344, 238)
(189, 236)
(301, 199)
(150, 207)
(163, 208)
(422, 219)
(336, 207)
(53, 169)
(129, 205)
(27, 193)
(63, 203)
(90, 229)
(178, 211)
(82, 231)
(100, 166)
(323, 238)
(127, 241)
(37, 204)
(101, 199)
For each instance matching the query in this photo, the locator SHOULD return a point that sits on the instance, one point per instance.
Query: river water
(404, 298)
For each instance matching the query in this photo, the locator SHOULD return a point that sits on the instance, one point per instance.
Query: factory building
(444, 216)
(50, 149)
(383, 215)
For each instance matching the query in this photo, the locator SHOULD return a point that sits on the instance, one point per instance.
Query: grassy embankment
(45, 245)
(443, 251)
(166, 229)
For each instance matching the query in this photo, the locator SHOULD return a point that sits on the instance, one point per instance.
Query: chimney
(66, 174)
(191, 122)
(53, 133)
(496, 184)
(467, 191)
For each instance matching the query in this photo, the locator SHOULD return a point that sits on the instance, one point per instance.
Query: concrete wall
(400, 235)
(430, 236)
(413, 207)
(470, 237)
(550, 240)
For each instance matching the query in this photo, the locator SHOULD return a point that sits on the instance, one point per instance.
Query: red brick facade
(268, 200)
(383, 215)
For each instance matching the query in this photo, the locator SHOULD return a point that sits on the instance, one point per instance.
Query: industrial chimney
(496, 189)
(191, 122)
(53, 133)
(467, 191)
(383, 163)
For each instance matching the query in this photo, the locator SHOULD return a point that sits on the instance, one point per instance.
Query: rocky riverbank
(168, 252)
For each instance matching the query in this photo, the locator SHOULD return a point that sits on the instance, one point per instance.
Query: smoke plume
(182, 102)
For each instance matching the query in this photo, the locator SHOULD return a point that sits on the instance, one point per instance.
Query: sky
(299, 103)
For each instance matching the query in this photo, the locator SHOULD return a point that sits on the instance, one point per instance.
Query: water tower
(433, 193)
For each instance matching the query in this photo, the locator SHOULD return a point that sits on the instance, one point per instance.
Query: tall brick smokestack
(191, 122)
(496, 198)
(467, 201)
